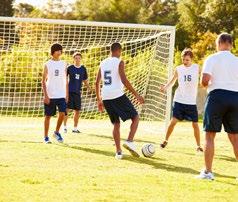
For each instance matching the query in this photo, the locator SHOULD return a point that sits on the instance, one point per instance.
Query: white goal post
(24, 48)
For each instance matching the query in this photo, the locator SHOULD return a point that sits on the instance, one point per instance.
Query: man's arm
(98, 94)
(43, 82)
(170, 83)
(205, 79)
(85, 82)
(67, 86)
(127, 83)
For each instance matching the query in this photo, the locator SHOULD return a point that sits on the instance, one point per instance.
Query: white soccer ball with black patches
(148, 150)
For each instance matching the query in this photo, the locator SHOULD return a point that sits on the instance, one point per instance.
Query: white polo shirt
(223, 68)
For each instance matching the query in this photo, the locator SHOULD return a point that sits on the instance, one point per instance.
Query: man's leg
(66, 118)
(234, 141)
(209, 150)
(116, 136)
(133, 128)
(196, 131)
(170, 128)
(59, 121)
(46, 125)
(76, 118)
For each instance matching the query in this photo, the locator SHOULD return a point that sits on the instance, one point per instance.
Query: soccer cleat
(131, 147)
(119, 155)
(164, 144)
(199, 149)
(47, 140)
(75, 131)
(58, 137)
(205, 175)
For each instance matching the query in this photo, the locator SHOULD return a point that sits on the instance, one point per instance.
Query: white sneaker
(131, 147)
(205, 175)
(119, 156)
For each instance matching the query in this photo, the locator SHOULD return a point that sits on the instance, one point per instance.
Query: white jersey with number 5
(56, 81)
(188, 77)
(112, 86)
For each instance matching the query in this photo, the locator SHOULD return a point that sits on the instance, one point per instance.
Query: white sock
(75, 128)
(65, 127)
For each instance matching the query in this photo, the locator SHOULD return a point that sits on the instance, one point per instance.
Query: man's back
(223, 68)
(112, 84)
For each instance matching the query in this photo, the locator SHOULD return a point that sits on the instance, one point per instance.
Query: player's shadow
(110, 138)
(142, 160)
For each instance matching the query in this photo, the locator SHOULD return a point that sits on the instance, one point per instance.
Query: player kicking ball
(184, 106)
(77, 74)
(55, 89)
(113, 98)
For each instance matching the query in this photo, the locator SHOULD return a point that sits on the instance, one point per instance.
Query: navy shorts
(50, 109)
(74, 101)
(221, 108)
(185, 112)
(120, 107)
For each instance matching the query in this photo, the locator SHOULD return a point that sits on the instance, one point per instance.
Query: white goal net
(24, 48)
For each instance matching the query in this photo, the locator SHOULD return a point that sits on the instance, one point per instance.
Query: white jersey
(112, 85)
(56, 81)
(223, 68)
(188, 77)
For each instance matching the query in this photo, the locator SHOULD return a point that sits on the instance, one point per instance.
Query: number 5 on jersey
(107, 78)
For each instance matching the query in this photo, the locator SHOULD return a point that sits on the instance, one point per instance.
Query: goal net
(24, 48)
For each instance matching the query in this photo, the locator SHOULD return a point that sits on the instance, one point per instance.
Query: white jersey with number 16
(188, 77)
(112, 85)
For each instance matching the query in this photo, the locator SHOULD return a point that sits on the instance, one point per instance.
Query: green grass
(84, 168)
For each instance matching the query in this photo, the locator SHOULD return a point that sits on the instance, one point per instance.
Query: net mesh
(24, 48)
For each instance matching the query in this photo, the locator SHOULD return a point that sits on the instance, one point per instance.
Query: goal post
(24, 48)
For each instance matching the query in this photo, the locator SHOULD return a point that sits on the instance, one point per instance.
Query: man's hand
(100, 106)
(163, 89)
(67, 99)
(46, 100)
(140, 99)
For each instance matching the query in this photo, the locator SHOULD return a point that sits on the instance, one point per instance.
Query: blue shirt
(76, 76)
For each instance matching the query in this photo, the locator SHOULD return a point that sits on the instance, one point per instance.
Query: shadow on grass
(111, 138)
(142, 160)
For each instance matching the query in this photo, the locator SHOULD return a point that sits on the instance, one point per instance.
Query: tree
(23, 10)
(6, 7)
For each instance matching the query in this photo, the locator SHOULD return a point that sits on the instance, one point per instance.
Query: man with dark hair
(55, 89)
(77, 74)
(116, 103)
(220, 76)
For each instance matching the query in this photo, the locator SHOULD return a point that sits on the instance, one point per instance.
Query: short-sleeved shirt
(188, 77)
(76, 76)
(223, 68)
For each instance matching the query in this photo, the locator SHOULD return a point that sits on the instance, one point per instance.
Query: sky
(40, 3)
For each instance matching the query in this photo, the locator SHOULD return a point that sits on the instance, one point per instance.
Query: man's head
(187, 56)
(224, 42)
(56, 50)
(116, 49)
(77, 57)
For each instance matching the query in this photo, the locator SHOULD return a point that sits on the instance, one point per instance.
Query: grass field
(84, 168)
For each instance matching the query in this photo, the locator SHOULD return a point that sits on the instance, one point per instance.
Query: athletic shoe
(47, 140)
(58, 137)
(65, 130)
(164, 144)
(119, 156)
(205, 175)
(131, 147)
(199, 149)
(75, 131)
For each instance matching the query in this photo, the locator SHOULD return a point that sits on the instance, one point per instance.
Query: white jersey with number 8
(188, 77)
(112, 85)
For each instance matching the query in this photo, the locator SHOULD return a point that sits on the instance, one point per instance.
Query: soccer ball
(148, 150)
